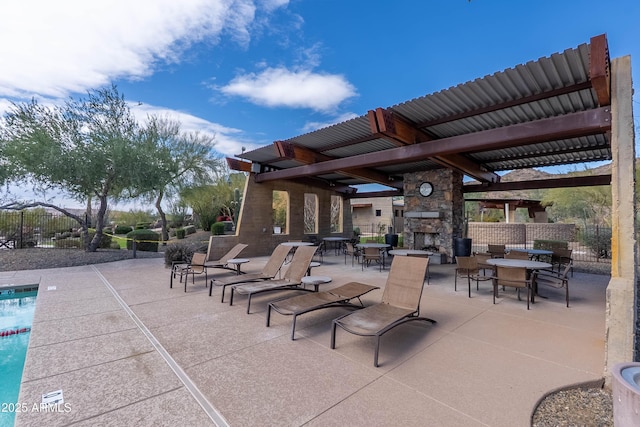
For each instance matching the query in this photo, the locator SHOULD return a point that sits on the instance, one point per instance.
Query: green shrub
(180, 233)
(123, 229)
(146, 240)
(206, 220)
(105, 242)
(178, 252)
(598, 240)
(143, 225)
(189, 229)
(550, 245)
(217, 228)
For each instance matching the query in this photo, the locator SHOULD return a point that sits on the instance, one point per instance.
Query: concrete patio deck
(125, 349)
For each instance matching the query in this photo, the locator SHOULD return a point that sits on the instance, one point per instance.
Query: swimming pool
(16, 315)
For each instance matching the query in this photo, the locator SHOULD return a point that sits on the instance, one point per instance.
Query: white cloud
(55, 48)
(270, 5)
(311, 126)
(280, 87)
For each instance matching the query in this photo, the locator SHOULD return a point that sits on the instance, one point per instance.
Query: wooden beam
(238, 165)
(398, 129)
(401, 132)
(575, 181)
(467, 167)
(600, 69)
(561, 127)
(288, 150)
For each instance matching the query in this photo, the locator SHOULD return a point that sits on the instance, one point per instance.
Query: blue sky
(257, 71)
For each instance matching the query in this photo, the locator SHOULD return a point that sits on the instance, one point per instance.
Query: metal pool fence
(32, 228)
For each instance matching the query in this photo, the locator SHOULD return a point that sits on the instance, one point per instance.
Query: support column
(621, 327)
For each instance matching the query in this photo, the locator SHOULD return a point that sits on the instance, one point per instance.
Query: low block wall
(500, 233)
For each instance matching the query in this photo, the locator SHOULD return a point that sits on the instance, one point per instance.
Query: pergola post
(621, 310)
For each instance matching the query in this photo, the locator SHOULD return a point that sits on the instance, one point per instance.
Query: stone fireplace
(427, 241)
(432, 222)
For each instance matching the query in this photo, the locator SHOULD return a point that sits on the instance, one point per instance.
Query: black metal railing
(32, 228)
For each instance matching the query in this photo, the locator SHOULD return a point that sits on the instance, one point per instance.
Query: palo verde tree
(175, 160)
(222, 197)
(87, 148)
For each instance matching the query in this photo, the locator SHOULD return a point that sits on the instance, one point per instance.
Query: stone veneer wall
(255, 221)
(447, 199)
(500, 233)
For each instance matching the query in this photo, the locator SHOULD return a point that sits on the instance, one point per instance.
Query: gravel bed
(579, 406)
(40, 258)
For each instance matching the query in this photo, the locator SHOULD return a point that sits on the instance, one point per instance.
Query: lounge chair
(269, 271)
(400, 303)
(223, 262)
(337, 297)
(291, 279)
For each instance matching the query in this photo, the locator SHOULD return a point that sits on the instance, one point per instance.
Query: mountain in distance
(532, 175)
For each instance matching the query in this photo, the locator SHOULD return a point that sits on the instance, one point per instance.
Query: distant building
(374, 215)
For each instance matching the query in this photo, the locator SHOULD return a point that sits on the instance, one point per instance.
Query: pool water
(16, 316)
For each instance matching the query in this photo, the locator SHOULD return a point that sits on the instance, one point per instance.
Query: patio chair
(301, 304)
(514, 277)
(560, 258)
(320, 252)
(269, 271)
(554, 279)
(193, 267)
(224, 259)
(372, 254)
(496, 251)
(468, 268)
(482, 263)
(352, 251)
(400, 303)
(292, 278)
(516, 255)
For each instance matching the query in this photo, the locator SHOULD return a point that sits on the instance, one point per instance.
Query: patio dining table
(526, 263)
(406, 252)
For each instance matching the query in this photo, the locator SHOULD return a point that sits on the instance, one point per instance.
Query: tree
(217, 199)
(87, 148)
(176, 160)
(589, 205)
